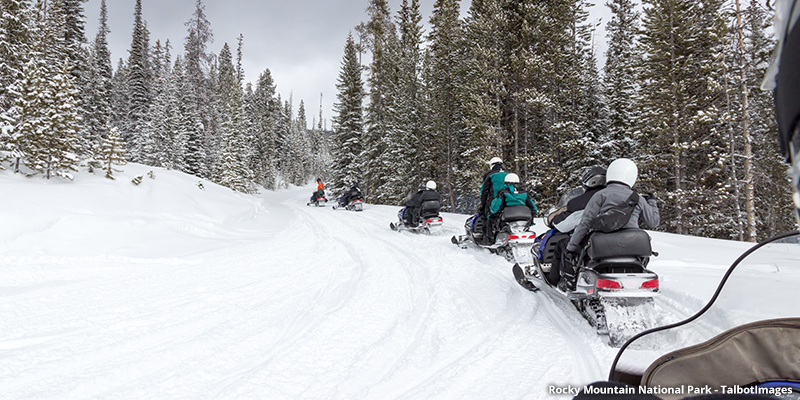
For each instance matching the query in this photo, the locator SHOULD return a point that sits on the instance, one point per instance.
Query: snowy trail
(273, 299)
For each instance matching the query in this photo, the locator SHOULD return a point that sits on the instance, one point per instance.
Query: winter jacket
(493, 181)
(423, 196)
(613, 195)
(321, 188)
(567, 220)
(509, 196)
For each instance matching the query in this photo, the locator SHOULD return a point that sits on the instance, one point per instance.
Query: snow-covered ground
(114, 291)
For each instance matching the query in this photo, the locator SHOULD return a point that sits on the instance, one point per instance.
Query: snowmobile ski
(522, 279)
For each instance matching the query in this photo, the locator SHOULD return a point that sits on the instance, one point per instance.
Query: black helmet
(594, 176)
(319, 180)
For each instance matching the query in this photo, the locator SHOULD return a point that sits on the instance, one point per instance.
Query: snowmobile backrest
(625, 242)
(758, 352)
(429, 208)
(517, 213)
(548, 253)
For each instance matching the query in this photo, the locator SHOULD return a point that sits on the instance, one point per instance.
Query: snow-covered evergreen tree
(113, 152)
(97, 93)
(263, 108)
(445, 124)
(16, 28)
(54, 150)
(198, 74)
(681, 102)
(379, 138)
(232, 168)
(348, 123)
(622, 59)
(139, 82)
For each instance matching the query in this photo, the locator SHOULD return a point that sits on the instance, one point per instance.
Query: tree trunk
(748, 141)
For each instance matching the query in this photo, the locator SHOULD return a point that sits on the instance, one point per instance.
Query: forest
(679, 93)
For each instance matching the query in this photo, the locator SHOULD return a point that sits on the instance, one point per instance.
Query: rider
(492, 182)
(320, 192)
(621, 176)
(413, 203)
(593, 180)
(509, 195)
(353, 193)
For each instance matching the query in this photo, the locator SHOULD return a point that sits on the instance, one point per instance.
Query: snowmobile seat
(517, 213)
(429, 208)
(622, 243)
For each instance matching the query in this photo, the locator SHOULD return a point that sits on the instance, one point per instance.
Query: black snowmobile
(514, 240)
(354, 202)
(614, 290)
(430, 222)
(745, 341)
(318, 201)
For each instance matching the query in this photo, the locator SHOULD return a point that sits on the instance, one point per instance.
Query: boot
(567, 282)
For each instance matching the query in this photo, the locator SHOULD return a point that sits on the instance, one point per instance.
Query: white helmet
(495, 160)
(431, 185)
(512, 178)
(622, 170)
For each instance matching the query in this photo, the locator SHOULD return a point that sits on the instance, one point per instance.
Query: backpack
(615, 218)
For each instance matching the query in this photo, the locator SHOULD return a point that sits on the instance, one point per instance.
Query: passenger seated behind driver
(621, 176)
(510, 195)
(413, 203)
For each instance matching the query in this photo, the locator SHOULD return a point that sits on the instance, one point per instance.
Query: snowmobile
(745, 341)
(613, 288)
(319, 202)
(430, 222)
(514, 239)
(355, 204)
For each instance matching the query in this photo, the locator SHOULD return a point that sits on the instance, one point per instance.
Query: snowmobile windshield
(569, 195)
(762, 285)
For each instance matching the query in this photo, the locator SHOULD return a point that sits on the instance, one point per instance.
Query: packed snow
(110, 290)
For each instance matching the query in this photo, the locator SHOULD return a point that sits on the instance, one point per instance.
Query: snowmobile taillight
(608, 284)
(531, 236)
(651, 284)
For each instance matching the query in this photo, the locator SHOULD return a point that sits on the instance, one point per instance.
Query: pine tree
(139, 82)
(263, 109)
(770, 186)
(411, 160)
(198, 74)
(113, 152)
(16, 28)
(681, 105)
(622, 58)
(445, 126)
(97, 93)
(378, 143)
(181, 156)
(232, 169)
(55, 147)
(348, 122)
(480, 92)
(27, 116)
(119, 96)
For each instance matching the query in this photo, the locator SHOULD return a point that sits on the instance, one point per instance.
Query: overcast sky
(300, 41)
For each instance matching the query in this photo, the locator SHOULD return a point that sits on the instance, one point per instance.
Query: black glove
(649, 196)
(571, 258)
